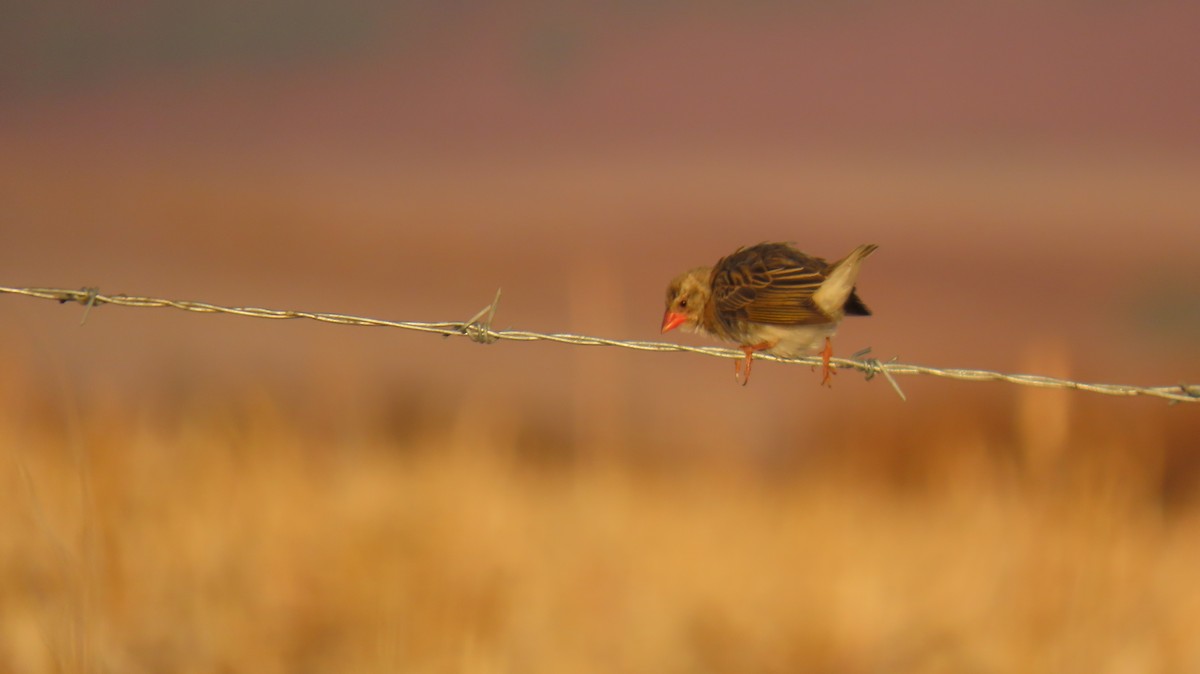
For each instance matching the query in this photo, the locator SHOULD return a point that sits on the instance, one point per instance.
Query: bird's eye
(683, 303)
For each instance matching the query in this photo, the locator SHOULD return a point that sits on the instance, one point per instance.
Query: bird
(769, 297)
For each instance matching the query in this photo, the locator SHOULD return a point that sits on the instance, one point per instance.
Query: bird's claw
(827, 368)
(743, 363)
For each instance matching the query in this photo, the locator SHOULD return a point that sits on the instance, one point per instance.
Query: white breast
(792, 341)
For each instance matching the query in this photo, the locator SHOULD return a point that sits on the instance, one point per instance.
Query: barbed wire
(479, 329)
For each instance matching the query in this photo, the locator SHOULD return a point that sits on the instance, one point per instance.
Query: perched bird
(769, 297)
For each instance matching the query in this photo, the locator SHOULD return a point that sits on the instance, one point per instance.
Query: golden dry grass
(187, 535)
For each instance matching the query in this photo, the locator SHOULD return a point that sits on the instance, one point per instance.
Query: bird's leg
(743, 363)
(827, 370)
(748, 361)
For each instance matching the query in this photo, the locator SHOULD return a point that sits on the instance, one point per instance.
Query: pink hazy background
(1029, 171)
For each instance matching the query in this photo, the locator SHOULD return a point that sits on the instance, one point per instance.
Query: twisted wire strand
(479, 329)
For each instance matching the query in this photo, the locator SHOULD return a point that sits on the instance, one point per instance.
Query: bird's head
(686, 297)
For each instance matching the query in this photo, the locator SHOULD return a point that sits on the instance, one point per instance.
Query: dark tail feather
(855, 307)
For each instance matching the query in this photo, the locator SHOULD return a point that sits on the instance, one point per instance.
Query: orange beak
(672, 320)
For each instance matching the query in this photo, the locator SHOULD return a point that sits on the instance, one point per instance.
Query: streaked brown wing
(768, 283)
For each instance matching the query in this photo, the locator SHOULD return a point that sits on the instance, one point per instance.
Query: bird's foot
(745, 363)
(827, 370)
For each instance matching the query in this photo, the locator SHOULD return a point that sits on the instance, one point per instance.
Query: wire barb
(479, 329)
(875, 366)
(92, 294)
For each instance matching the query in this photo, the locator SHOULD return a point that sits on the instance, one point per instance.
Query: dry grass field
(989, 533)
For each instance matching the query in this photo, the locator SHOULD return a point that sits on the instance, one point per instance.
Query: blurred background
(211, 493)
